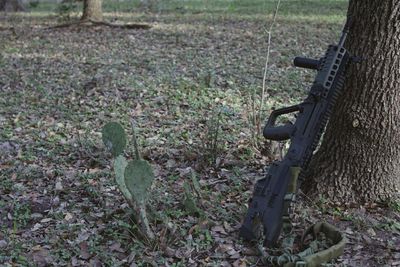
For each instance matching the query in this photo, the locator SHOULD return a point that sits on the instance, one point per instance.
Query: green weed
(21, 214)
(17, 254)
(394, 205)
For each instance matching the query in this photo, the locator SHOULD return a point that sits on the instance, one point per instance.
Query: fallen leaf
(371, 232)
(84, 250)
(116, 247)
(227, 227)
(68, 216)
(41, 257)
(36, 227)
(218, 229)
(3, 244)
(239, 263)
(59, 186)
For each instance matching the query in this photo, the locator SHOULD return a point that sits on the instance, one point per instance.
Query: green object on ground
(139, 177)
(114, 138)
(189, 201)
(120, 164)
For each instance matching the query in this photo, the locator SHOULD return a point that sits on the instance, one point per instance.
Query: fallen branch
(90, 23)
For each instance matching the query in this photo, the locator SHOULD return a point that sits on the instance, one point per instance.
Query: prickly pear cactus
(114, 138)
(120, 164)
(134, 178)
(138, 179)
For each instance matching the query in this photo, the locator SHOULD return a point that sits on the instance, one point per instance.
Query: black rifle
(273, 194)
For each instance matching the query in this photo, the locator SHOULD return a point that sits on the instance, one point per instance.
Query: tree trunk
(11, 6)
(359, 158)
(92, 10)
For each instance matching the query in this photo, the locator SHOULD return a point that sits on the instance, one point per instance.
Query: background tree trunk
(92, 10)
(11, 6)
(359, 158)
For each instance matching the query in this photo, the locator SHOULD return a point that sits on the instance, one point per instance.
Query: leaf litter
(59, 204)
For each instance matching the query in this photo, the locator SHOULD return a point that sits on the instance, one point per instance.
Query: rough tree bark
(92, 10)
(11, 6)
(359, 158)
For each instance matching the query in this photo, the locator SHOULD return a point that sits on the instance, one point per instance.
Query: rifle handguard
(279, 133)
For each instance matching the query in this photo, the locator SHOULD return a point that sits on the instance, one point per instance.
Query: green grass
(288, 8)
(252, 6)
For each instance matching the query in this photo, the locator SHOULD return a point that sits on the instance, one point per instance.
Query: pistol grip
(279, 133)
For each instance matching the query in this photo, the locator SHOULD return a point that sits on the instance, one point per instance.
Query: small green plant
(134, 178)
(192, 195)
(390, 225)
(190, 201)
(21, 214)
(16, 254)
(322, 204)
(394, 205)
(213, 142)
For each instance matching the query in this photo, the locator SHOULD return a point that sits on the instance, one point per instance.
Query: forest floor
(190, 83)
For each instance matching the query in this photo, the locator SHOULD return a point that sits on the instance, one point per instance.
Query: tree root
(90, 23)
(7, 28)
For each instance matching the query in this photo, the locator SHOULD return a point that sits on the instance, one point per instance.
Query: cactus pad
(139, 177)
(114, 138)
(120, 164)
